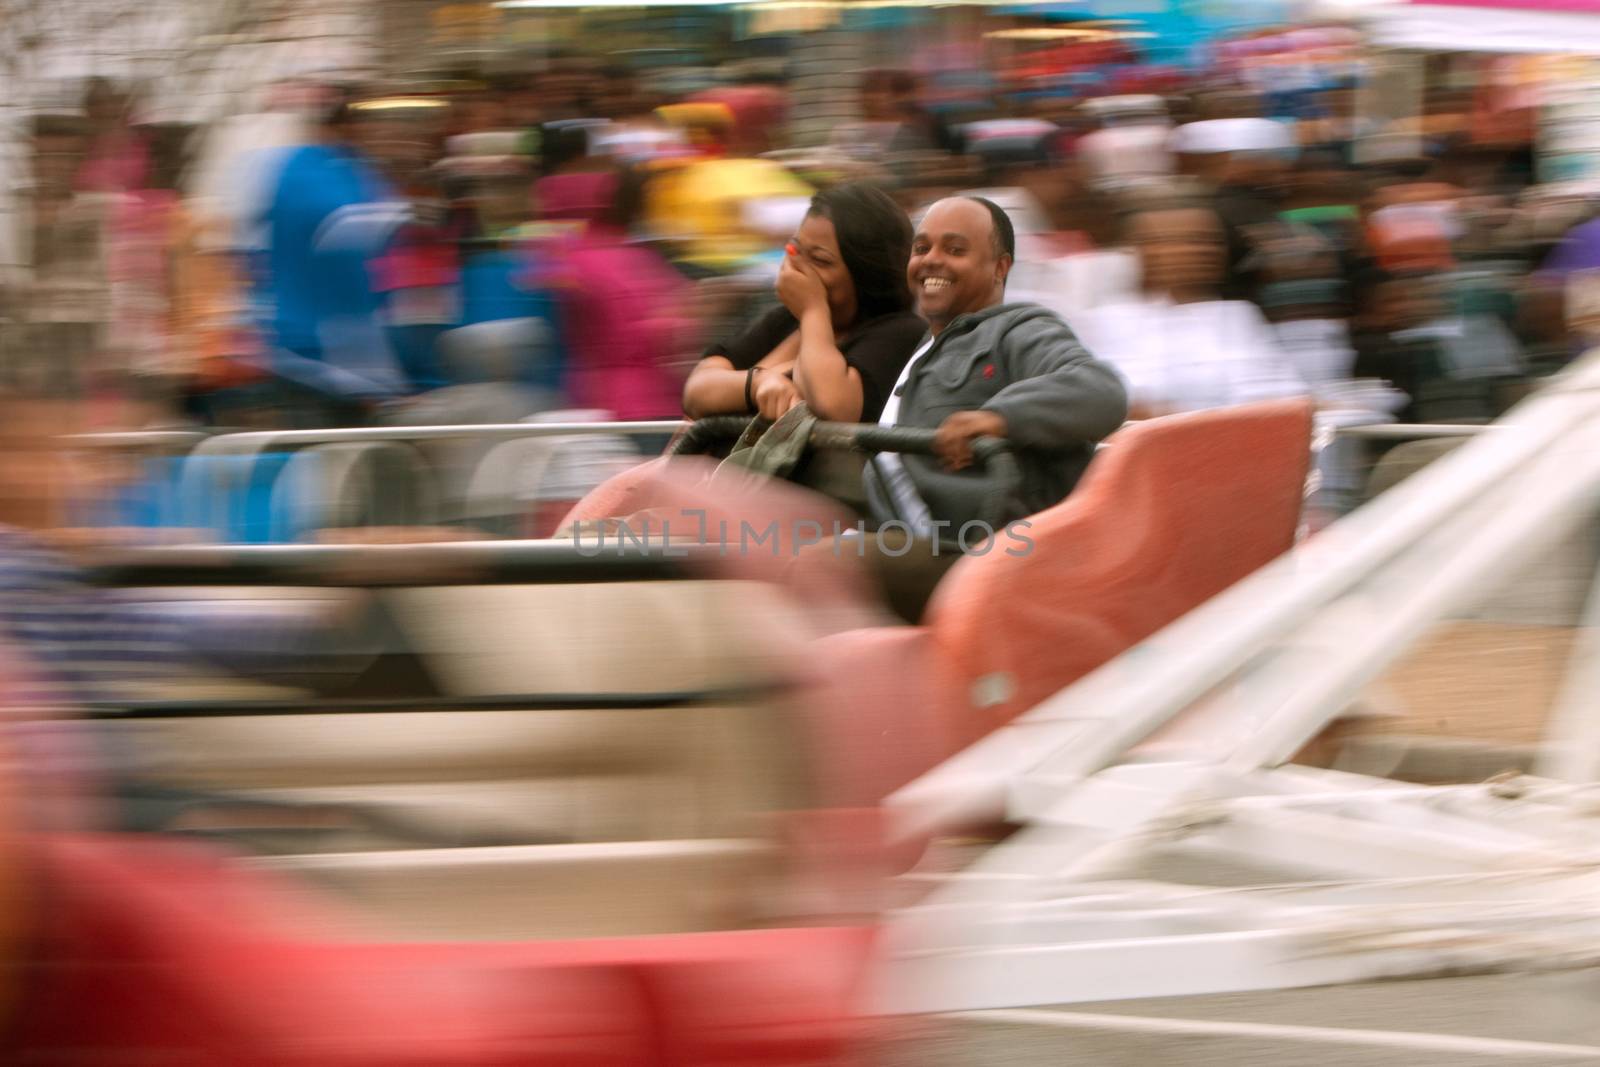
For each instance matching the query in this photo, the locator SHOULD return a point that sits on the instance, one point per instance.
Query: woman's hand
(799, 287)
(775, 393)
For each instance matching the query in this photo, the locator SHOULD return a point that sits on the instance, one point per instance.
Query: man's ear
(1003, 269)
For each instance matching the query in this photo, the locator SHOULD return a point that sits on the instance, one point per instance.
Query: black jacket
(1023, 362)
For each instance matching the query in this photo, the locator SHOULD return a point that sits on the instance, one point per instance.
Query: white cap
(1233, 135)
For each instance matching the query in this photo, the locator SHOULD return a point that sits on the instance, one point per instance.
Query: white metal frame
(1178, 752)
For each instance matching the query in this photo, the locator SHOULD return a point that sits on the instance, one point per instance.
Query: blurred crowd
(575, 239)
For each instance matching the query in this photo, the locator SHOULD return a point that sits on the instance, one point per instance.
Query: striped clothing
(84, 643)
(64, 642)
(88, 644)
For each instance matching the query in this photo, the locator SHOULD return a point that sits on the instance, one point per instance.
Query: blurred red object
(163, 952)
(1108, 567)
(144, 949)
(757, 110)
(1411, 249)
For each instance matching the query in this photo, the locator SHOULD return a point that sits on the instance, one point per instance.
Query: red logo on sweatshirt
(988, 370)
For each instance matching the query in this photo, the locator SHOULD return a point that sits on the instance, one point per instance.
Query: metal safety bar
(705, 433)
(714, 429)
(576, 561)
(261, 440)
(993, 454)
(249, 441)
(1415, 431)
(602, 701)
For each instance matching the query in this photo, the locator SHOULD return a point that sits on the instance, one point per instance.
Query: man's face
(953, 268)
(1180, 249)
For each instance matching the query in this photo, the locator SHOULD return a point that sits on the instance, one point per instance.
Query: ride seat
(509, 776)
(1170, 513)
(518, 486)
(351, 485)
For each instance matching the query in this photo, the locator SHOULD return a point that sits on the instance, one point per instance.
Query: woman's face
(1180, 251)
(819, 250)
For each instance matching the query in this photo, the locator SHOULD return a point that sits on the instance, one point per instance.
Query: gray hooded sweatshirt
(1024, 363)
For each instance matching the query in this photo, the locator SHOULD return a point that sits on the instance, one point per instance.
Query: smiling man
(986, 369)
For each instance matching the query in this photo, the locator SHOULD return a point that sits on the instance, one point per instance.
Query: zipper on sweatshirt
(960, 324)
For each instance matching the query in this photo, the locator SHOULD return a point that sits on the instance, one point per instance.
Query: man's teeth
(935, 283)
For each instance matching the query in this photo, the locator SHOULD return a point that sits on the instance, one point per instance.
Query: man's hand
(799, 287)
(952, 442)
(775, 393)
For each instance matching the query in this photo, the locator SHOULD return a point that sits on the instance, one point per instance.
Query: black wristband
(749, 380)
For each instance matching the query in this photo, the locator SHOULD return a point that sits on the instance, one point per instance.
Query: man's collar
(973, 318)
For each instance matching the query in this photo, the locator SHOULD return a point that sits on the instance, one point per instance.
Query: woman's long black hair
(875, 242)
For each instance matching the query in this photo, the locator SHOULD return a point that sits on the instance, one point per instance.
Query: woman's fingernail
(791, 249)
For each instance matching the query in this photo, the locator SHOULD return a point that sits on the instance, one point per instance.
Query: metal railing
(240, 444)
(690, 437)
(722, 427)
(171, 441)
(992, 454)
(631, 700)
(1412, 431)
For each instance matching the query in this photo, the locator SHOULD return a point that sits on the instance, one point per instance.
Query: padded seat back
(547, 474)
(1171, 512)
(644, 773)
(344, 485)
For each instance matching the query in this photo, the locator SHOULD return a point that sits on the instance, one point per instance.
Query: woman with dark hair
(844, 328)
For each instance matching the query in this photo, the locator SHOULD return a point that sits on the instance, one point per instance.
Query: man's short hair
(1005, 235)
